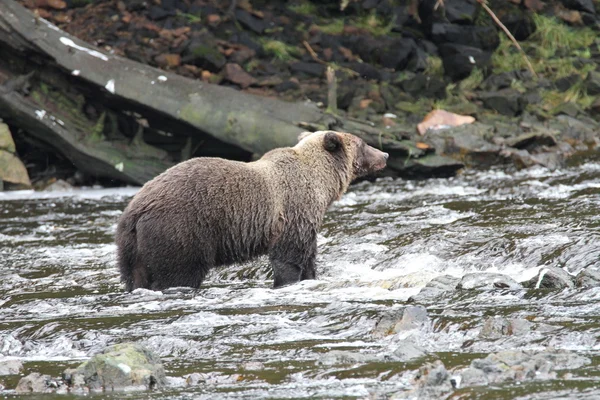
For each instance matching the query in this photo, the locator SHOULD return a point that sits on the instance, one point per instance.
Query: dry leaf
(439, 118)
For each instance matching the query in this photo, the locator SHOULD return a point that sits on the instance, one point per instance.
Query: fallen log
(105, 112)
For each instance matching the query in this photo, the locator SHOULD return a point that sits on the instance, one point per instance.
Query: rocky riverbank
(394, 61)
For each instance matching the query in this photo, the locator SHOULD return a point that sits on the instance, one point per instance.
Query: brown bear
(207, 212)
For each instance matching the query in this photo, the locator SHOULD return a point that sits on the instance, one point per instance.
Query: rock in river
(125, 366)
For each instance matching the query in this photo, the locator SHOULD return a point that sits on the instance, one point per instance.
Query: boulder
(592, 83)
(459, 60)
(505, 101)
(411, 317)
(6, 141)
(10, 367)
(37, 383)
(553, 278)
(487, 281)
(481, 37)
(497, 327)
(13, 171)
(588, 278)
(126, 366)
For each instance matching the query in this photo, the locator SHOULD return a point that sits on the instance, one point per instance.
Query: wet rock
(6, 141)
(532, 141)
(203, 52)
(10, 367)
(553, 278)
(211, 378)
(592, 83)
(580, 5)
(13, 171)
(422, 85)
(433, 381)
(505, 101)
(234, 73)
(251, 22)
(336, 357)
(567, 82)
(487, 281)
(461, 11)
(309, 68)
(523, 159)
(411, 317)
(430, 166)
(518, 366)
(365, 70)
(407, 351)
(58, 186)
(519, 22)
(459, 60)
(435, 289)
(37, 383)
(588, 278)
(398, 53)
(126, 366)
(482, 37)
(497, 327)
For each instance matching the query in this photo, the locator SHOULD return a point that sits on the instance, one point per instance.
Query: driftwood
(120, 119)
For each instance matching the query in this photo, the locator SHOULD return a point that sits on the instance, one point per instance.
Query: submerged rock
(411, 317)
(488, 281)
(10, 367)
(37, 383)
(519, 366)
(497, 327)
(435, 289)
(552, 278)
(126, 366)
(588, 278)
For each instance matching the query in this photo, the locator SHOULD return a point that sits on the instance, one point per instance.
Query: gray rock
(592, 83)
(126, 366)
(553, 278)
(10, 367)
(487, 281)
(530, 141)
(37, 383)
(433, 381)
(435, 289)
(497, 327)
(408, 351)
(520, 366)
(336, 357)
(588, 278)
(505, 101)
(411, 317)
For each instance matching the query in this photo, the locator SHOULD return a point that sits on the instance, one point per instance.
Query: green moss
(280, 50)
(419, 107)
(374, 24)
(472, 81)
(303, 8)
(190, 18)
(435, 67)
(97, 132)
(552, 49)
(336, 27)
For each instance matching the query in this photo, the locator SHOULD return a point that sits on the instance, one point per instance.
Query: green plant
(191, 18)
(374, 24)
(334, 28)
(280, 50)
(435, 67)
(304, 8)
(472, 81)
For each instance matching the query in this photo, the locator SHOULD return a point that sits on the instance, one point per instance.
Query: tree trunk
(102, 111)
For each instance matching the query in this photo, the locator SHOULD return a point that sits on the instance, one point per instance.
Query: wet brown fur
(207, 212)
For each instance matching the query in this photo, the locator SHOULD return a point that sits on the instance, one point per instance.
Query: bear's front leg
(293, 262)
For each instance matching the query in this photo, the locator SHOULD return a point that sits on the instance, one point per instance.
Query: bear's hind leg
(292, 262)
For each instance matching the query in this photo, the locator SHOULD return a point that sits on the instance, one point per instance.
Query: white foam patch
(81, 193)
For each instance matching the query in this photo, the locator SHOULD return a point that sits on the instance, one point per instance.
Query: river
(61, 300)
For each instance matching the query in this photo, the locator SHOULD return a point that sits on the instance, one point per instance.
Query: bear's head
(351, 152)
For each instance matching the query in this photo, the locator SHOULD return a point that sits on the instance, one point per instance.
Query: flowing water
(61, 300)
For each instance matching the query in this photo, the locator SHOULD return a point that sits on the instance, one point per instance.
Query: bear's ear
(332, 142)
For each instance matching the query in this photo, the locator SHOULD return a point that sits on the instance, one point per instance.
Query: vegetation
(552, 49)
(435, 67)
(472, 81)
(303, 8)
(280, 50)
